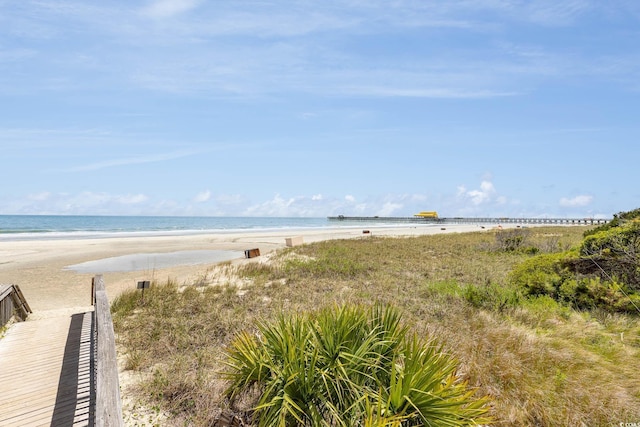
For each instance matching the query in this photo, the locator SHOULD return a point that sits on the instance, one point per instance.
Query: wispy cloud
(274, 52)
(152, 158)
(557, 13)
(112, 84)
(577, 201)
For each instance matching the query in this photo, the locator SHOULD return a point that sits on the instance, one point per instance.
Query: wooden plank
(46, 372)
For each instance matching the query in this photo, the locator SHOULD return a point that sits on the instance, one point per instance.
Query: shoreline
(41, 267)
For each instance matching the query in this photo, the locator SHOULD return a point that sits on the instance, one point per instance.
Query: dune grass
(541, 363)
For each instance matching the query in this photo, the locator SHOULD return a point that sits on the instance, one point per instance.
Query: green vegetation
(347, 364)
(542, 359)
(618, 219)
(603, 271)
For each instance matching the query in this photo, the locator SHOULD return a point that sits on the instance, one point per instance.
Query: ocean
(26, 227)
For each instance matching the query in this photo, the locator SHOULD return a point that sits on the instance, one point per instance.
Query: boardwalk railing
(12, 303)
(108, 403)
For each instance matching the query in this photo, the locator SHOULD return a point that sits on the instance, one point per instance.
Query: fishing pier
(469, 220)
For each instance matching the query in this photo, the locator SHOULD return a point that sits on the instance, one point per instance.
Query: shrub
(541, 275)
(512, 240)
(348, 366)
(613, 254)
(603, 272)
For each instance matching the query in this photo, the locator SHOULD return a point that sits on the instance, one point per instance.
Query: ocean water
(25, 227)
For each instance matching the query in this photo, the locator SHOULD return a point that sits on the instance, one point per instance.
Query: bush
(589, 293)
(512, 240)
(542, 275)
(603, 272)
(613, 254)
(348, 366)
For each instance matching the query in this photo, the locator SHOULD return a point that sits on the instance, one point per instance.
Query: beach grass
(541, 363)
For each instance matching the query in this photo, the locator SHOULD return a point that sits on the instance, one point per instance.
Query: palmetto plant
(348, 366)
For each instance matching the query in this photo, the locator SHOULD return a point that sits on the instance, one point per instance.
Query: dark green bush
(613, 254)
(541, 275)
(603, 272)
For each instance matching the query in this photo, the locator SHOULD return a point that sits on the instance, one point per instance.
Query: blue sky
(316, 108)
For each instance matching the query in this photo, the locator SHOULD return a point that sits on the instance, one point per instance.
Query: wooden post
(144, 285)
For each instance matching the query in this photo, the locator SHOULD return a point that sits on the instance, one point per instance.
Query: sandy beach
(51, 275)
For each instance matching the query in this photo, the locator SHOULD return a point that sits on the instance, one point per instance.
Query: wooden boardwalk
(47, 372)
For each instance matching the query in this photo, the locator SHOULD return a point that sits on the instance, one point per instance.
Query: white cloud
(484, 200)
(577, 201)
(202, 196)
(278, 206)
(481, 201)
(485, 194)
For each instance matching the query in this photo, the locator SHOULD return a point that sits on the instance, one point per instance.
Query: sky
(477, 108)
